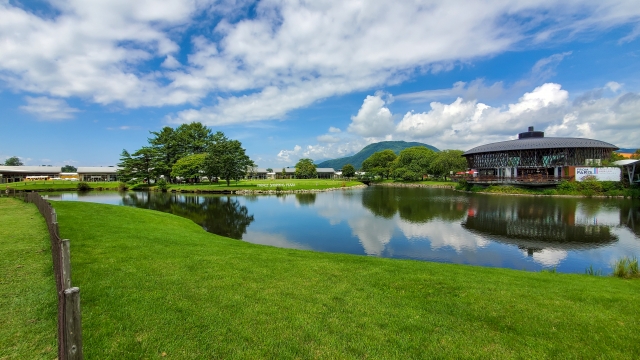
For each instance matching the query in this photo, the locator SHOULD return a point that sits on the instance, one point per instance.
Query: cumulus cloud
(373, 118)
(334, 130)
(462, 124)
(46, 108)
(285, 56)
(321, 152)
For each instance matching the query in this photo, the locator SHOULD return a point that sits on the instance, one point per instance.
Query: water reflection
(533, 223)
(220, 215)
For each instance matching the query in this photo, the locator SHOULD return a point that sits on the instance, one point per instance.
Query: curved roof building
(533, 153)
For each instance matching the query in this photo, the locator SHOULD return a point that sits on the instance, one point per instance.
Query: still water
(531, 233)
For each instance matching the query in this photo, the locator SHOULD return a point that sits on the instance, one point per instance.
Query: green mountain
(357, 159)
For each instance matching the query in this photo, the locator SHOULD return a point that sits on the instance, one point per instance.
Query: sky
(81, 80)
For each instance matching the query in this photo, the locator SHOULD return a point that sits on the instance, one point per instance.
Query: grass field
(27, 286)
(298, 184)
(56, 185)
(155, 284)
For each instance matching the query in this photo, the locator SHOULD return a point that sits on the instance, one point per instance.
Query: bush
(568, 186)
(83, 186)
(463, 185)
(162, 185)
(122, 186)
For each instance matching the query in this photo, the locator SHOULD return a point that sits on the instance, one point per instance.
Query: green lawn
(264, 185)
(56, 185)
(424, 183)
(27, 286)
(154, 283)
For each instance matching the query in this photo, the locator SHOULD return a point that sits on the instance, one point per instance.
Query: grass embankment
(154, 283)
(57, 185)
(572, 188)
(426, 183)
(27, 286)
(265, 185)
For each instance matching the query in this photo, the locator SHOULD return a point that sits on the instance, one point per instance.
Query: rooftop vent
(531, 134)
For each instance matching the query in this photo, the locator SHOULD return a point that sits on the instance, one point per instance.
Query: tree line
(189, 152)
(414, 162)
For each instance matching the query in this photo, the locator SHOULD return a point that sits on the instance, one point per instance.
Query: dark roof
(539, 143)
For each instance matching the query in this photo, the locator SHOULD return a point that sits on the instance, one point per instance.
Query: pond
(518, 232)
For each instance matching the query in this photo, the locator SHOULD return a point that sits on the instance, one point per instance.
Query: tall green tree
(166, 145)
(174, 144)
(190, 167)
(69, 169)
(139, 165)
(348, 171)
(13, 161)
(446, 161)
(306, 169)
(380, 163)
(227, 159)
(413, 163)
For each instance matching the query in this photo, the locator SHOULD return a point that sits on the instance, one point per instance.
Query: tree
(189, 167)
(173, 144)
(226, 159)
(636, 155)
(139, 165)
(69, 169)
(269, 170)
(446, 161)
(380, 163)
(348, 171)
(306, 169)
(13, 161)
(413, 163)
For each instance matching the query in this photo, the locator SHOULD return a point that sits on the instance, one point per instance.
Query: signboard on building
(599, 173)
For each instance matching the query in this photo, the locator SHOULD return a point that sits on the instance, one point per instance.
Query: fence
(69, 317)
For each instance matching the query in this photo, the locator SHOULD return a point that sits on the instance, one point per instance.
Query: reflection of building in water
(536, 225)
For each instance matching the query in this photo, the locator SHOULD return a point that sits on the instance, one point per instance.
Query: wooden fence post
(73, 326)
(65, 257)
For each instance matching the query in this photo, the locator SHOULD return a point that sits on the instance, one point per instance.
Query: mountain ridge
(357, 158)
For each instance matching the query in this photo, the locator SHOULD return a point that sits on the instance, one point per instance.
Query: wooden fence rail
(69, 316)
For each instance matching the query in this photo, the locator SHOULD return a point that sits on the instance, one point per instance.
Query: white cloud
(373, 118)
(171, 63)
(328, 138)
(288, 55)
(48, 109)
(321, 152)
(464, 124)
(334, 130)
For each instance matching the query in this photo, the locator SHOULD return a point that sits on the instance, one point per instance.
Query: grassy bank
(27, 286)
(609, 189)
(56, 185)
(293, 184)
(153, 284)
(418, 183)
(282, 184)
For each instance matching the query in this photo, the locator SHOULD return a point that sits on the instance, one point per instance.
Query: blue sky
(80, 80)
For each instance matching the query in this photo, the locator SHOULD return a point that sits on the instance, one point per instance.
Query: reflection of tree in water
(534, 223)
(630, 215)
(414, 205)
(216, 214)
(306, 199)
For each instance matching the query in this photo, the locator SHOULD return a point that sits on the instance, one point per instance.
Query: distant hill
(357, 159)
(628, 151)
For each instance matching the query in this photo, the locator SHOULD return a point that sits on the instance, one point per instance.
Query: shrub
(162, 185)
(122, 186)
(463, 185)
(568, 186)
(83, 186)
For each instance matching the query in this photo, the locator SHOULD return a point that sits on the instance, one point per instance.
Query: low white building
(10, 174)
(98, 173)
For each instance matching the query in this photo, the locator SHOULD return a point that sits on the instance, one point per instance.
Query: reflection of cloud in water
(442, 234)
(277, 240)
(548, 257)
(602, 215)
(373, 235)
